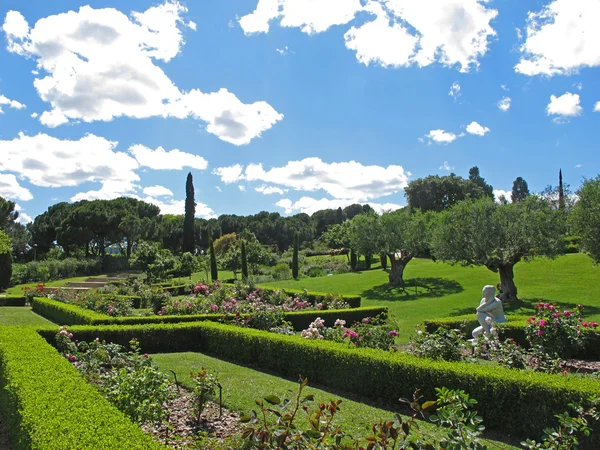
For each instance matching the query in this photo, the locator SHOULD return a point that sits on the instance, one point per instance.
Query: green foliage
(444, 344)
(44, 271)
(5, 260)
(295, 268)
(214, 271)
(47, 404)
(281, 271)
(205, 384)
(190, 212)
(188, 264)
(353, 259)
(520, 190)
(244, 262)
(585, 218)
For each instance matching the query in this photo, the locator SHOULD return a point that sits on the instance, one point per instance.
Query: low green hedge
(181, 289)
(514, 328)
(136, 300)
(314, 297)
(521, 403)
(66, 314)
(47, 405)
(10, 300)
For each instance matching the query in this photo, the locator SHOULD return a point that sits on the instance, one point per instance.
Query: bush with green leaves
(445, 344)
(43, 271)
(204, 388)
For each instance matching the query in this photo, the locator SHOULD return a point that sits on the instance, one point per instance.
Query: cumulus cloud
(10, 103)
(561, 38)
(242, 188)
(454, 91)
(100, 64)
(597, 107)
(441, 136)
(311, 205)
(476, 129)
(344, 180)
(451, 32)
(499, 193)
(446, 166)
(264, 189)
(160, 159)
(311, 16)
(11, 189)
(157, 191)
(177, 207)
(567, 105)
(504, 104)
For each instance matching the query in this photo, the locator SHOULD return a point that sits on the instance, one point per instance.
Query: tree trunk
(397, 269)
(507, 283)
(383, 257)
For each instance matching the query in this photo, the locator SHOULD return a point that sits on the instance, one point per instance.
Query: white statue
(489, 311)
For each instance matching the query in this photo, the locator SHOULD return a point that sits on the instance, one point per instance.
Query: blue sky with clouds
(292, 105)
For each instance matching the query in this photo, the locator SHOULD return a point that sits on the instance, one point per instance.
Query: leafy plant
(446, 344)
(204, 386)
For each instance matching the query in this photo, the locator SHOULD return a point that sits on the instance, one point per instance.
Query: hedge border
(13, 300)
(67, 314)
(523, 402)
(38, 405)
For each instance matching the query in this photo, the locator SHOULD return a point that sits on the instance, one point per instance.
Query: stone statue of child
(489, 311)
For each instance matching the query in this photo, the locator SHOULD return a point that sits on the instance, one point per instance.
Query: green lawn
(20, 316)
(436, 289)
(242, 385)
(18, 289)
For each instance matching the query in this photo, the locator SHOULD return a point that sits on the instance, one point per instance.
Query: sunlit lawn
(20, 316)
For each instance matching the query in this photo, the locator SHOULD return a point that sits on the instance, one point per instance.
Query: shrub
(43, 271)
(204, 387)
(445, 344)
(281, 271)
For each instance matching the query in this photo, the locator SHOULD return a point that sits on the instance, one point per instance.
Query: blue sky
(292, 105)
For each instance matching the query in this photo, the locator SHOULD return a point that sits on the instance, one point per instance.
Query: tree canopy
(435, 193)
(585, 217)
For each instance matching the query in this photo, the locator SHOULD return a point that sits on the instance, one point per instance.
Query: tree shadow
(414, 289)
(526, 307)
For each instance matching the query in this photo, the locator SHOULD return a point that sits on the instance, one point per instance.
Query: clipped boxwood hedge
(521, 402)
(514, 328)
(12, 300)
(67, 314)
(136, 300)
(47, 405)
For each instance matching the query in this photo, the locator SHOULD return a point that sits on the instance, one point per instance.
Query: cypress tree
(295, 256)
(383, 257)
(561, 192)
(244, 262)
(190, 212)
(5, 261)
(214, 272)
(353, 259)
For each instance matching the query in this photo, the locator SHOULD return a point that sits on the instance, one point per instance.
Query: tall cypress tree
(190, 212)
(214, 271)
(244, 262)
(295, 270)
(561, 192)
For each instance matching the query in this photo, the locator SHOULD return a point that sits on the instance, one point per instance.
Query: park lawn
(435, 289)
(19, 288)
(21, 316)
(243, 385)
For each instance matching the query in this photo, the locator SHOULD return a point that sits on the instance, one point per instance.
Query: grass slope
(436, 289)
(242, 385)
(21, 316)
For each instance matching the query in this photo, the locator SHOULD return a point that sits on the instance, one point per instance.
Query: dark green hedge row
(47, 405)
(314, 297)
(514, 329)
(11, 300)
(182, 289)
(66, 314)
(523, 402)
(136, 301)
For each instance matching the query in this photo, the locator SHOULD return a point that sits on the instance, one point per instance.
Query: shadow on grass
(526, 307)
(414, 289)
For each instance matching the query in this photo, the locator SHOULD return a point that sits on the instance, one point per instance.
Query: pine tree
(190, 212)
(295, 270)
(561, 192)
(244, 262)
(520, 190)
(214, 271)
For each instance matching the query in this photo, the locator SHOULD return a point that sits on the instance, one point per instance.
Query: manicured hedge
(181, 289)
(11, 300)
(522, 402)
(66, 314)
(47, 405)
(514, 329)
(314, 297)
(136, 301)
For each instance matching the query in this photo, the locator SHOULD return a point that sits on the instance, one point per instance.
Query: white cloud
(567, 105)
(578, 86)
(229, 174)
(452, 32)
(446, 166)
(100, 64)
(242, 187)
(578, 166)
(270, 190)
(504, 104)
(11, 103)
(157, 191)
(311, 205)
(476, 129)
(34, 115)
(441, 136)
(311, 16)
(192, 25)
(160, 159)
(177, 207)
(454, 91)
(498, 193)
(218, 188)
(11, 189)
(23, 218)
(504, 87)
(561, 38)
(597, 107)
(343, 180)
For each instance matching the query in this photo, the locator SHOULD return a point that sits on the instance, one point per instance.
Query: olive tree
(498, 236)
(585, 218)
